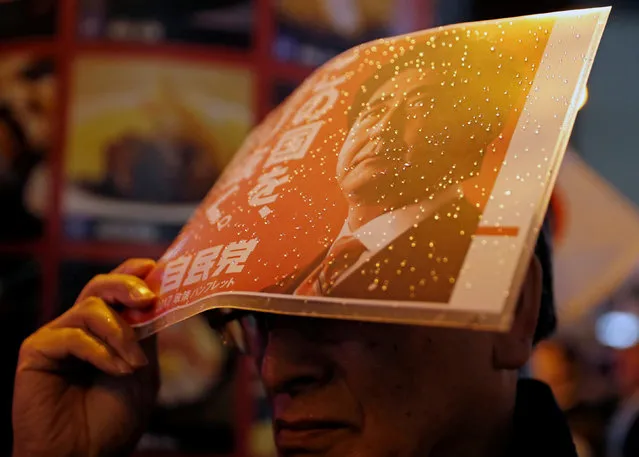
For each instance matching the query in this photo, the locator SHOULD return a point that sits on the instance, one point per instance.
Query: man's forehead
(406, 83)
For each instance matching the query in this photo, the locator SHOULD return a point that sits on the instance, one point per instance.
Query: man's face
(351, 389)
(417, 157)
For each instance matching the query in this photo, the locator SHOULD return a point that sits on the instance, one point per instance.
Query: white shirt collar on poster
(381, 231)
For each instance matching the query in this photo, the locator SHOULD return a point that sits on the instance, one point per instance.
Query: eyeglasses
(240, 330)
(246, 332)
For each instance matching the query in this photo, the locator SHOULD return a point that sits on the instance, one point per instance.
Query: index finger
(135, 267)
(115, 288)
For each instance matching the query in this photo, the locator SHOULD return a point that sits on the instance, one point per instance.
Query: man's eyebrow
(419, 91)
(373, 102)
(376, 101)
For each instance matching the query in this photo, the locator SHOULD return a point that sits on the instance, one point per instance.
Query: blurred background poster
(147, 140)
(592, 257)
(310, 32)
(27, 18)
(27, 104)
(224, 22)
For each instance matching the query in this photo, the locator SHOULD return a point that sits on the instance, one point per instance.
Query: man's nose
(292, 365)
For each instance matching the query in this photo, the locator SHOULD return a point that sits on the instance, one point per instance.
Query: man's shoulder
(290, 283)
(420, 264)
(458, 218)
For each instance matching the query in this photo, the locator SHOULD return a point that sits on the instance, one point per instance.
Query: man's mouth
(309, 435)
(373, 150)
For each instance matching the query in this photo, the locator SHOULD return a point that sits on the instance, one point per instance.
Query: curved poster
(404, 181)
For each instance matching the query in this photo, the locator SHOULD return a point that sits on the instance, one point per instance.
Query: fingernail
(142, 292)
(123, 367)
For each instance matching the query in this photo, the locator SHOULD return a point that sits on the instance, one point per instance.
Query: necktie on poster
(437, 150)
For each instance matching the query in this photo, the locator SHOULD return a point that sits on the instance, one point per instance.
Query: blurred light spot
(618, 330)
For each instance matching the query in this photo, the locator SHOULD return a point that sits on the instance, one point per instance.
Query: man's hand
(84, 386)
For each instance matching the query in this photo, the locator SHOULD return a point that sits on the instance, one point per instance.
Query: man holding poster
(351, 370)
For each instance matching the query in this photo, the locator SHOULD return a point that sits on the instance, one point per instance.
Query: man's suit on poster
(420, 264)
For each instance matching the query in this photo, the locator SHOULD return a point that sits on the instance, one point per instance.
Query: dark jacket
(631, 444)
(539, 427)
(623, 430)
